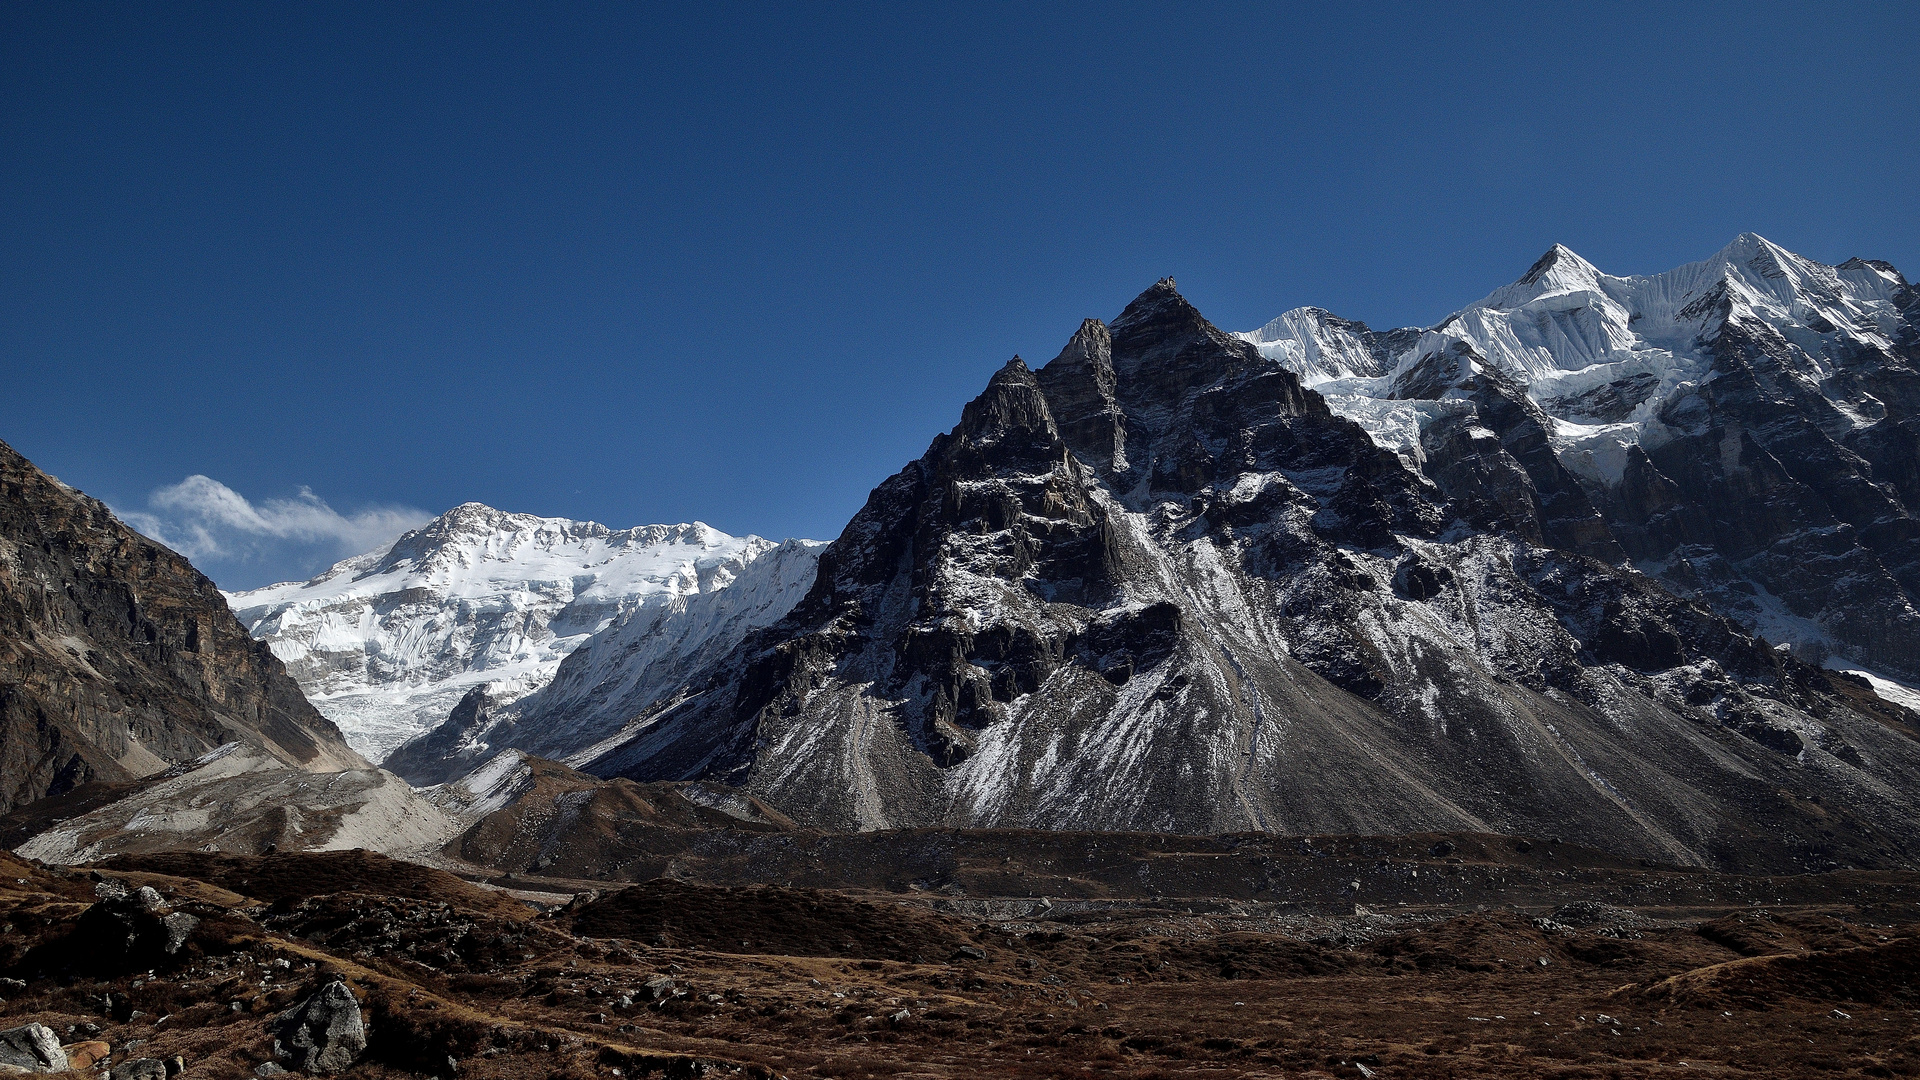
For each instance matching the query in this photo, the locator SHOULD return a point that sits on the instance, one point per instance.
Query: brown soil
(295, 876)
(791, 922)
(804, 983)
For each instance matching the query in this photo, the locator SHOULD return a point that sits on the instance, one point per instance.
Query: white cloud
(209, 522)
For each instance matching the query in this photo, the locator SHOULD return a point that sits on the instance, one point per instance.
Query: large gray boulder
(32, 1046)
(324, 1033)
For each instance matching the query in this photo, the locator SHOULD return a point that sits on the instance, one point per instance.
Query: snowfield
(386, 643)
(1578, 340)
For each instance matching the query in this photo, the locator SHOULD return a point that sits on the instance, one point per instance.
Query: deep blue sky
(654, 264)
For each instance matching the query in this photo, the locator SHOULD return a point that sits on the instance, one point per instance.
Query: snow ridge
(386, 643)
(1601, 354)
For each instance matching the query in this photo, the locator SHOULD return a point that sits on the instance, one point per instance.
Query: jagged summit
(1010, 408)
(1753, 402)
(1158, 585)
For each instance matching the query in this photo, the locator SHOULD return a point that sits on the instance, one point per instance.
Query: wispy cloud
(212, 524)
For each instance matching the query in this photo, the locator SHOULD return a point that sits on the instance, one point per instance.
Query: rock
(80, 1055)
(141, 1069)
(268, 1068)
(131, 929)
(32, 1046)
(968, 952)
(324, 1033)
(154, 665)
(1838, 1015)
(176, 1065)
(901, 1017)
(660, 987)
(12, 986)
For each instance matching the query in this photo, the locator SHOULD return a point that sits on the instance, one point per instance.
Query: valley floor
(680, 979)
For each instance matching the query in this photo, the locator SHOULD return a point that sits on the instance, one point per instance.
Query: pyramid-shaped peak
(1753, 249)
(1014, 370)
(1012, 402)
(1159, 303)
(1093, 342)
(1560, 262)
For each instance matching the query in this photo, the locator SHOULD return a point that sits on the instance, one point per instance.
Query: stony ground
(678, 979)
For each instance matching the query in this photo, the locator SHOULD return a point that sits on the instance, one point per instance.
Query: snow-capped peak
(386, 643)
(1559, 272)
(1601, 353)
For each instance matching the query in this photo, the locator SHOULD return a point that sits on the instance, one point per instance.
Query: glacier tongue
(386, 643)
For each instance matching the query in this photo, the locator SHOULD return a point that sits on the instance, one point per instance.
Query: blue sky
(354, 264)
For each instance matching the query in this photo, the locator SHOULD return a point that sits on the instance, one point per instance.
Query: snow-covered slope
(612, 678)
(387, 643)
(1744, 427)
(1600, 353)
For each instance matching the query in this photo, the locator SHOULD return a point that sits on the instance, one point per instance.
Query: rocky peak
(1160, 328)
(1081, 391)
(1011, 408)
(119, 659)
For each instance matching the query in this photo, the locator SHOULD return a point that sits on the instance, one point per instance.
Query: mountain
(1159, 584)
(118, 659)
(616, 674)
(477, 601)
(1746, 429)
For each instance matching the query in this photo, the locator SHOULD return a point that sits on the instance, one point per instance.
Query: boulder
(141, 1069)
(132, 928)
(324, 1033)
(81, 1055)
(32, 1046)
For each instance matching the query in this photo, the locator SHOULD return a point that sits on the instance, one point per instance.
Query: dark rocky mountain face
(1158, 585)
(1776, 483)
(118, 659)
(1768, 484)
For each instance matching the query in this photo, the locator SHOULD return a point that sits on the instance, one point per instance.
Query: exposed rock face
(1743, 428)
(33, 1047)
(324, 1033)
(118, 659)
(1160, 585)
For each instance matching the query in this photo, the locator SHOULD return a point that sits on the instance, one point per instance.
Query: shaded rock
(141, 1069)
(131, 929)
(324, 1033)
(32, 1046)
(118, 658)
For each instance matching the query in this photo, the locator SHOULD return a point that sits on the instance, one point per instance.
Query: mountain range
(483, 602)
(1624, 560)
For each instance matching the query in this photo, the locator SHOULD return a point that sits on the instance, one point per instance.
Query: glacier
(385, 644)
(1599, 354)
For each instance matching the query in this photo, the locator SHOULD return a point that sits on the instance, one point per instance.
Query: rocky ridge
(1743, 428)
(1159, 584)
(118, 659)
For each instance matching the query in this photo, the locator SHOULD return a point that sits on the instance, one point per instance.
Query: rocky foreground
(204, 965)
